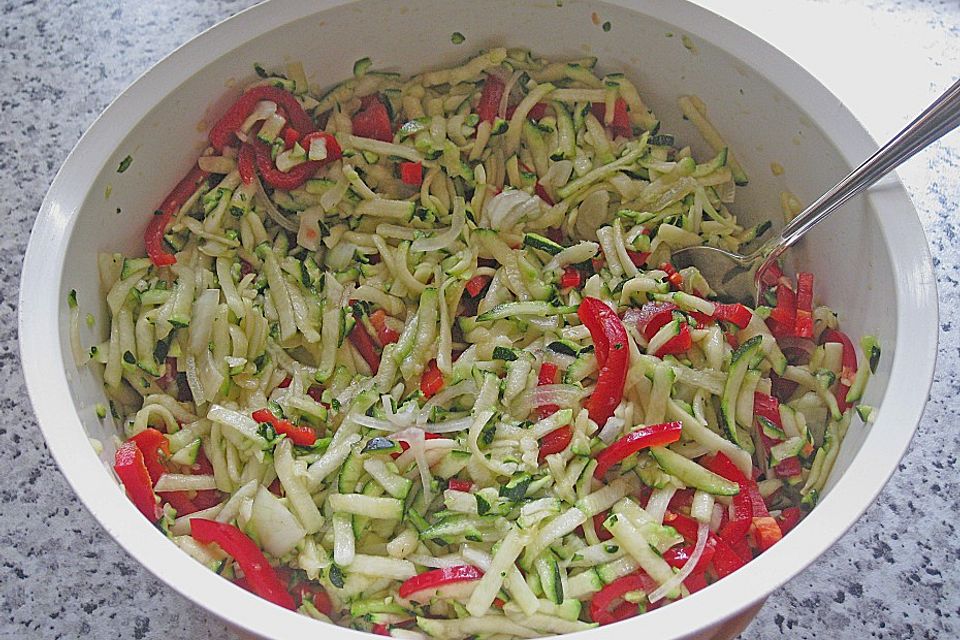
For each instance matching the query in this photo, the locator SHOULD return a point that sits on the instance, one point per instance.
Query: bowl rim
(45, 363)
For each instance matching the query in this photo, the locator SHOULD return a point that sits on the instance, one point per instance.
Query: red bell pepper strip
(725, 559)
(151, 444)
(476, 285)
(570, 278)
(179, 501)
(363, 343)
(788, 519)
(260, 577)
(653, 316)
(541, 192)
(308, 591)
(602, 532)
(285, 383)
(246, 163)
(621, 119)
(681, 500)
(456, 484)
(555, 442)
(432, 380)
(380, 629)
(609, 334)
(848, 365)
(490, 97)
(222, 133)
(804, 323)
(130, 468)
(677, 557)
(153, 236)
(372, 120)
(536, 112)
(736, 313)
(290, 137)
(547, 375)
(768, 408)
(437, 578)
(721, 465)
(302, 436)
(334, 152)
(385, 334)
(673, 276)
(783, 317)
(655, 435)
(279, 179)
(788, 467)
(685, 525)
(606, 607)
(739, 523)
(426, 436)
(678, 343)
(411, 173)
(766, 532)
(695, 582)
(638, 258)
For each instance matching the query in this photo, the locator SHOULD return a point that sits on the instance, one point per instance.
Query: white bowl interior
(762, 103)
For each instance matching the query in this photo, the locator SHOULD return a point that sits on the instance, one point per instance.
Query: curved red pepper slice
(736, 313)
(153, 236)
(373, 121)
(260, 577)
(739, 524)
(804, 325)
(130, 468)
(222, 133)
(302, 436)
(555, 442)
(653, 316)
(151, 443)
(385, 334)
(439, 577)
(848, 362)
(607, 605)
(364, 345)
(655, 435)
(678, 343)
(246, 163)
(490, 97)
(788, 519)
(456, 484)
(432, 380)
(547, 375)
(609, 338)
(570, 278)
(278, 179)
(476, 285)
(621, 120)
(677, 557)
(411, 173)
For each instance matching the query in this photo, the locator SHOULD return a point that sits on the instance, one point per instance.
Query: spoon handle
(937, 120)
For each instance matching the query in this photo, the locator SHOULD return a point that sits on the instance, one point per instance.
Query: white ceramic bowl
(871, 261)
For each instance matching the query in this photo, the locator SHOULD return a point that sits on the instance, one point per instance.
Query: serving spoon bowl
(738, 277)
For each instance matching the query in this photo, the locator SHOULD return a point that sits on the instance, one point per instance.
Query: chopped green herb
(107, 192)
(336, 576)
(457, 38)
(260, 70)
(101, 410)
(72, 299)
(606, 26)
(125, 164)
(91, 320)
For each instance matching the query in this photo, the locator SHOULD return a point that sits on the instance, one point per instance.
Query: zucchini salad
(410, 356)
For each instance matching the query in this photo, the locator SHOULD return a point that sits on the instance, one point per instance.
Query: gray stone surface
(894, 575)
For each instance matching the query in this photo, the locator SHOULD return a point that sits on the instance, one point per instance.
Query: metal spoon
(737, 277)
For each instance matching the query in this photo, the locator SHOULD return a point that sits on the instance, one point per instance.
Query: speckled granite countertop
(894, 575)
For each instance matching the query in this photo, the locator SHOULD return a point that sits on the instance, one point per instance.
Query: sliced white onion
(658, 503)
(467, 387)
(611, 429)
(415, 438)
(507, 88)
(448, 237)
(561, 395)
(449, 426)
(204, 309)
(272, 210)
(374, 423)
(438, 562)
(667, 587)
(509, 207)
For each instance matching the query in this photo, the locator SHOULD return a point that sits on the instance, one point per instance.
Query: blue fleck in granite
(894, 575)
